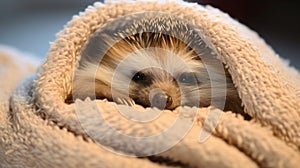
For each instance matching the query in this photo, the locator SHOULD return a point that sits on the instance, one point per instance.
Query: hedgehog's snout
(160, 100)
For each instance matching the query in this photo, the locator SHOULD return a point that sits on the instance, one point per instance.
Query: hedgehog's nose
(161, 100)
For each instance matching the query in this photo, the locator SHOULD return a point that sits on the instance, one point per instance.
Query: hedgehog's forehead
(158, 58)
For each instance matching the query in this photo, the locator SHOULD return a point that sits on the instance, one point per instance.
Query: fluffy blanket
(38, 129)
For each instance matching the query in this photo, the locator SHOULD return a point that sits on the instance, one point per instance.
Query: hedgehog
(157, 61)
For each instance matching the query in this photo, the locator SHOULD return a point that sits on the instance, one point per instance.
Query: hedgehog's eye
(188, 78)
(142, 78)
(139, 76)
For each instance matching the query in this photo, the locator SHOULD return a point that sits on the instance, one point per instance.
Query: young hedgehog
(154, 70)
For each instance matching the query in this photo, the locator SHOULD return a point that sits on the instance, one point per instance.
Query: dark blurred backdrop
(30, 25)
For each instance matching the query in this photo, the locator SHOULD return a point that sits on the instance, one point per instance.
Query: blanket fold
(39, 129)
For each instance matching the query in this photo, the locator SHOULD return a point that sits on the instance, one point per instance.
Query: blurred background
(30, 25)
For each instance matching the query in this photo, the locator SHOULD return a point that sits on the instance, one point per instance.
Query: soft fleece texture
(38, 129)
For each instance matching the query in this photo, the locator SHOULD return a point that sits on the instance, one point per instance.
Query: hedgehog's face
(164, 79)
(157, 88)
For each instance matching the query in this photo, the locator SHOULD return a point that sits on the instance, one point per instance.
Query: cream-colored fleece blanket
(38, 129)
